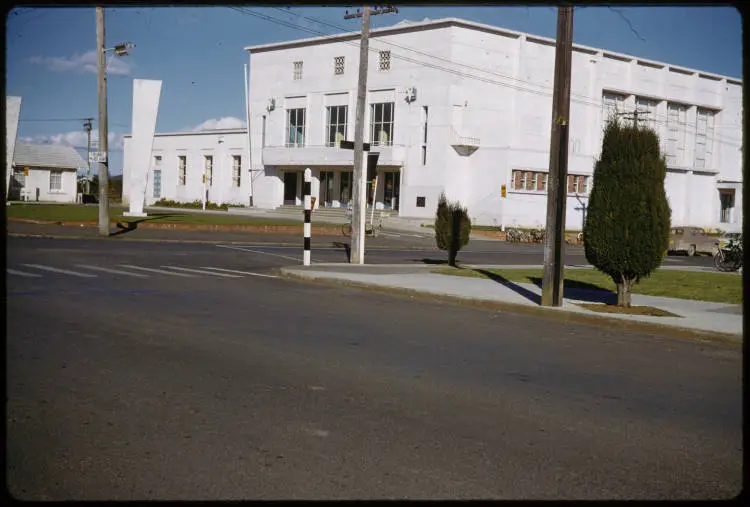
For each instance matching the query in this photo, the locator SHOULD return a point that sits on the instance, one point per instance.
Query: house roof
(432, 24)
(47, 155)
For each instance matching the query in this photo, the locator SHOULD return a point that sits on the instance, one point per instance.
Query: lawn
(701, 286)
(72, 212)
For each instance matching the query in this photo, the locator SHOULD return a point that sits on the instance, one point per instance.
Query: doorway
(326, 188)
(726, 199)
(345, 188)
(290, 187)
(392, 189)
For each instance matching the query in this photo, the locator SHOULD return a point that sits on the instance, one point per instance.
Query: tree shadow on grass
(130, 225)
(583, 291)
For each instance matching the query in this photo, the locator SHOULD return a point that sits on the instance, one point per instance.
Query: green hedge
(191, 205)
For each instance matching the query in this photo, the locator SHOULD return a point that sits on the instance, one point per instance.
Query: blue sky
(198, 54)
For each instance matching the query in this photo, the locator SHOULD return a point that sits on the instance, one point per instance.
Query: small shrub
(452, 227)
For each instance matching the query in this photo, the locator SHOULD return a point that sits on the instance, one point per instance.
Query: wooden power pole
(103, 131)
(359, 190)
(552, 282)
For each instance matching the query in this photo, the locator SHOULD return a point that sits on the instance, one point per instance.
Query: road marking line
(21, 273)
(151, 270)
(240, 272)
(113, 271)
(296, 259)
(201, 272)
(58, 270)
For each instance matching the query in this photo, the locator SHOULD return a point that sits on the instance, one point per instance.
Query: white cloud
(76, 139)
(228, 122)
(85, 62)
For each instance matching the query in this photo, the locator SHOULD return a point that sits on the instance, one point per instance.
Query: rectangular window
(646, 113)
(55, 180)
(676, 127)
(263, 132)
(381, 124)
(236, 170)
(157, 160)
(182, 169)
(157, 183)
(533, 181)
(612, 104)
(295, 127)
(425, 114)
(704, 133)
(297, 70)
(338, 65)
(577, 184)
(726, 198)
(209, 161)
(385, 60)
(336, 124)
(424, 155)
(528, 180)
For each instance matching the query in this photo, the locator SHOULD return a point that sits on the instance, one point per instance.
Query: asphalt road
(207, 387)
(392, 248)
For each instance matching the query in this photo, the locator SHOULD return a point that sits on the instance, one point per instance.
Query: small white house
(186, 164)
(45, 172)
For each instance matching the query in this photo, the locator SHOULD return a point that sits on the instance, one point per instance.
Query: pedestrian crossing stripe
(202, 272)
(112, 271)
(152, 270)
(58, 270)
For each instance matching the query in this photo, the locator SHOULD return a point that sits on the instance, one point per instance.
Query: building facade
(463, 108)
(185, 166)
(45, 173)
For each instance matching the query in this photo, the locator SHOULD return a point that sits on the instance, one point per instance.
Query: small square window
(297, 70)
(385, 60)
(157, 160)
(421, 202)
(338, 64)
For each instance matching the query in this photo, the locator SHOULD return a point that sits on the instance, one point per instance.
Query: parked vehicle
(728, 256)
(691, 240)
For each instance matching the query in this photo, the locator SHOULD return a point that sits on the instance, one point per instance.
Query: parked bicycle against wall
(371, 229)
(728, 257)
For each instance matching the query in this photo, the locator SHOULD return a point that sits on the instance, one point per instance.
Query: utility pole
(359, 190)
(552, 282)
(87, 129)
(103, 131)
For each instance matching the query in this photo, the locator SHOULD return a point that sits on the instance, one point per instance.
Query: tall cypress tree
(452, 227)
(627, 225)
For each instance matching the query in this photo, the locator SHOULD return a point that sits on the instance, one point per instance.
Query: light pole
(102, 155)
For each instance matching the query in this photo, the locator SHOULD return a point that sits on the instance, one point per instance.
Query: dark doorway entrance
(290, 188)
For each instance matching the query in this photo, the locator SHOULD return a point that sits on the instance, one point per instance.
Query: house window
(295, 127)
(263, 133)
(209, 164)
(577, 184)
(529, 181)
(381, 124)
(157, 183)
(421, 202)
(236, 170)
(182, 169)
(646, 113)
(55, 180)
(424, 155)
(704, 134)
(385, 60)
(157, 160)
(675, 145)
(336, 125)
(297, 70)
(726, 197)
(338, 65)
(425, 114)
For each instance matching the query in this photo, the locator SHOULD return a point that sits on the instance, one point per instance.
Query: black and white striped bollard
(308, 213)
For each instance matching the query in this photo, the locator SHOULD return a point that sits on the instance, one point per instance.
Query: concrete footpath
(695, 316)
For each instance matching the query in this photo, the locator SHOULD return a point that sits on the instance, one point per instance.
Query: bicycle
(371, 229)
(729, 258)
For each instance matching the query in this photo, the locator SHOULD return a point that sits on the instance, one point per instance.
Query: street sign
(97, 156)
(503, 191)
(349, 145)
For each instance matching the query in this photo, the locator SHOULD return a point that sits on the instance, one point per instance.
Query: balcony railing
(462, 144)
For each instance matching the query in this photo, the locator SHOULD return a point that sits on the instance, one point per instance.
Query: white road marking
(296, 259)
(58, 270)
(113, 271)
(21, 273)
(151, 270)
(201, 272)
(240, 272)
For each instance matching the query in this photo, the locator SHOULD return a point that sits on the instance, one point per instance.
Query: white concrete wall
(195, 146)
(508, 109)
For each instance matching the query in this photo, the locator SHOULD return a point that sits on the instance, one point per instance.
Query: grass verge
(698, 286)
(73, 212)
